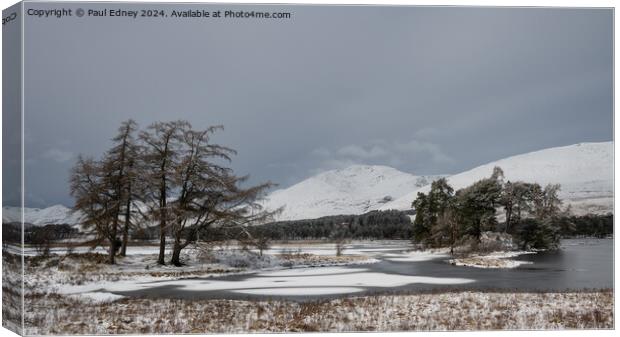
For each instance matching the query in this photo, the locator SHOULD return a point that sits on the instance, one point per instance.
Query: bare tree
(121, 161)
(261, 242)
(95, 199)
(160, 159)
(208, 192)
(226, 205)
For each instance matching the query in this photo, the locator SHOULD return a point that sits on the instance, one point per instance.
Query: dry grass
(54, 314)
(11, 292)
(320, 260)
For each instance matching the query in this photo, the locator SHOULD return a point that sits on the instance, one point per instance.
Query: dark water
(579, 264)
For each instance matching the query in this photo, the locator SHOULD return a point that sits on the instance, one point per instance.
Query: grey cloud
(356, 151)
(58, 155)
(379, 151)
(424, 89)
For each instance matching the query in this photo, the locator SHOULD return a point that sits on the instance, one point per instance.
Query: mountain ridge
(584, 171)
(352, 190)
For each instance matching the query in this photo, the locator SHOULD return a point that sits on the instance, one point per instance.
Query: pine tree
(429, 208)
(421, 223)
(476, 204)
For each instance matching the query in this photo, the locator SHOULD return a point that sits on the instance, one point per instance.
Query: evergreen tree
(543, 229)
(429, 208)
(422, 222)
(477, 204)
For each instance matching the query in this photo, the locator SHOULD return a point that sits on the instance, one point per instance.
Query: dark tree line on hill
(375, 227)
(590, 225)
(371, 225)
(170, 174)
(389, 225)
(38, 236)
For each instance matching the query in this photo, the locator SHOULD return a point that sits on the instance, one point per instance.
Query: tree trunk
(508, 218)
(126, 227)
(162, 243)
(162, 208)
(176, 251)
(113, 248)
(112, 252)
(162, 221)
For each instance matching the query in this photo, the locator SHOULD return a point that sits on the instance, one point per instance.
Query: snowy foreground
(77, 293)
(55, 314)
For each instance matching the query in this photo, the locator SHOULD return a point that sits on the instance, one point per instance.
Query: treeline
(534, 215)
(371, 225)
(590, 225)
(41, 237)
(169, 174)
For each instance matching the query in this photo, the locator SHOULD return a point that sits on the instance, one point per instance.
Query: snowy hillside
(584, 170)
(353, 190)
(57, 214)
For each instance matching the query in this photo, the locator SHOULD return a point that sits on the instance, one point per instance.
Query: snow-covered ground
(298, 281)
(585, 172)
(417, 256)
(88, 269)
(417, 312)
(492, 260)
(281, 270)
(78, 293)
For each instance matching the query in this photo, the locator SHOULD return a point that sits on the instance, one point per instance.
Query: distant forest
(387, 225)
(377, 225)
(371, 225)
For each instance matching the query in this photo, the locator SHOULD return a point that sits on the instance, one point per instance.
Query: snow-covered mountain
(585, 172)
(354, 190)
(57, 214)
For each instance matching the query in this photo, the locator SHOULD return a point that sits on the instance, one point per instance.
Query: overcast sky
(424, 90)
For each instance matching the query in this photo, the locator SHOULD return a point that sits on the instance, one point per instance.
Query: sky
(426, 90)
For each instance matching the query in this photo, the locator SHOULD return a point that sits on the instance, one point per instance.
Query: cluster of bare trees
(168, 174)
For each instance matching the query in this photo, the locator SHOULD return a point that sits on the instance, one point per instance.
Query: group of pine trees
(169, 174)
(533, 214)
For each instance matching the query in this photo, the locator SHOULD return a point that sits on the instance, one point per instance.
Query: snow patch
(298, 278)
(100, 297)
(417, 256)
(300, 291)
(492, 260)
